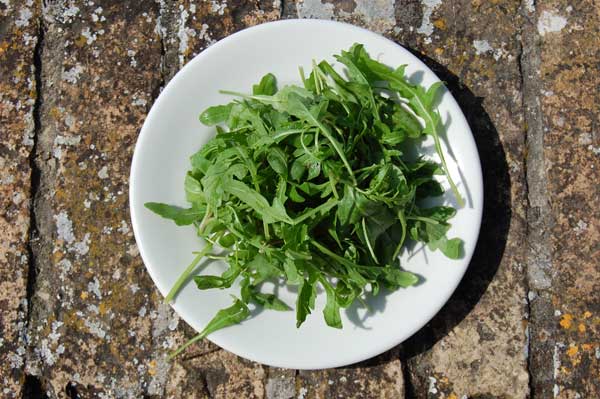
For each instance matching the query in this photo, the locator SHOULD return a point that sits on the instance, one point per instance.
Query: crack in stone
(409, 387)
(160, 30)
(32, 385)
(35, 170)
(288, 9)
(520, 61)
(33, 388)
(538, 220)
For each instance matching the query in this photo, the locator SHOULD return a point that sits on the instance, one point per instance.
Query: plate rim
(373, 350)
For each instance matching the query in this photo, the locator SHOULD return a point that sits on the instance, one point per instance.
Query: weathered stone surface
(281, 384)
(380, 377)
(95, 328)
(216, 374)
(538, 259)
(18, 39)
(568, 36)
(377, 16)
(190, 26)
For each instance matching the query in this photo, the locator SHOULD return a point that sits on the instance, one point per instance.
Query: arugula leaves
(181, 216)
(234, 314)
(309, 186)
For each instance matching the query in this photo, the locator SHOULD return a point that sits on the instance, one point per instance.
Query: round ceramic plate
(172, 132)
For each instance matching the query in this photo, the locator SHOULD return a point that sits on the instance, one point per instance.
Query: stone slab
(569, 41)
(18, 94)
(95, 325)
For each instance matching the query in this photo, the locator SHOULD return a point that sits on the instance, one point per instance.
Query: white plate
(172, 132)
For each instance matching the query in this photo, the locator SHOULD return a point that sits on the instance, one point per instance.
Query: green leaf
(257, 202)
(281, 190)
(303, 303)
(216, 114)
(193, 189)
(298, 108)
(224, 281)
(321, 209)
(270, 301)
(331, 312)
(395, 277)
(246, 290)
(314, 170)
(291, 272)
(200, 163)
(345, 294)
(438, 213)
(295, 196)
(267, 86)
(278, 161)
(265, 269)
(207, 282)
(354, 206)
(298, 169)
(451, 248)
(227, 240)
(181, 216)
(232, 315)
(404, 124)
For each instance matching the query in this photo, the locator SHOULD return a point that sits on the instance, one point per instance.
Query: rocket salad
(310, 186)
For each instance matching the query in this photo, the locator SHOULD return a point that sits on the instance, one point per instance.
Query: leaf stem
(368, 240)
(423, 219)
(434, 129)
(403, 224)
(186, 273)
(183, 347)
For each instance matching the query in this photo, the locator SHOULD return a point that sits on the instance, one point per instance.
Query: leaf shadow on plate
(493, 235)
(359, 313)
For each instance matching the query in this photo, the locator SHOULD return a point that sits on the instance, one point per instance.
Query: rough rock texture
(569, 52)
(380, 377)
(94, 325)
(18, 93)
(80, 317)
(191, 26)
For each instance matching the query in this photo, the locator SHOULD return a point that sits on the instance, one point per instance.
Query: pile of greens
(310, 186)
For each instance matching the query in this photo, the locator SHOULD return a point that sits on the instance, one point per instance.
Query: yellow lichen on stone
(587, 347)
(566, 321)
(587, 314)
(574, 355)
(152, 367)
(57, 256)
(3, 47)
(440, 23)
(572, 351)
(81, 41)
(70, 319)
